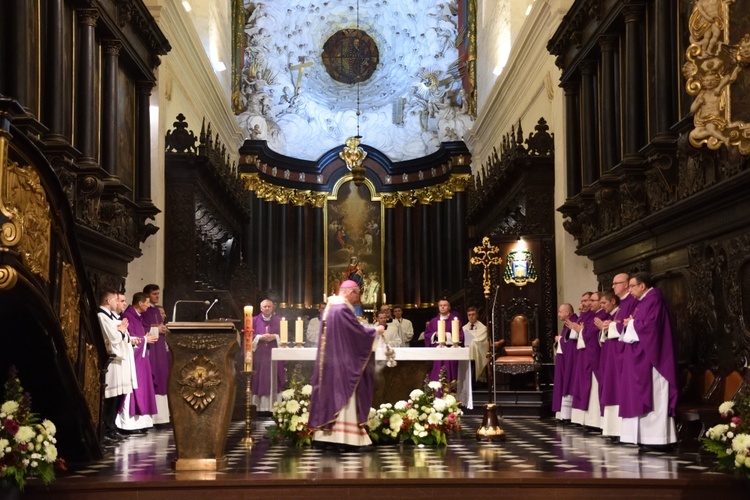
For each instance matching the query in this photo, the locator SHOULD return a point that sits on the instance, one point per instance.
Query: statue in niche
(709, 104)
(706, 25)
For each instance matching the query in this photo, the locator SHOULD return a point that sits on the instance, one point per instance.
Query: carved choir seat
(517, 351)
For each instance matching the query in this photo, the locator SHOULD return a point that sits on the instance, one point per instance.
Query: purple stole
(161, 360)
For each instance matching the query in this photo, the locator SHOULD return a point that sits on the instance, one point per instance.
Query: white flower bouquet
(730, 441)
(27, 443)
(290, 416)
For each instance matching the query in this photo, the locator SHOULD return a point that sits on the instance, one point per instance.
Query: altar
(404, 356)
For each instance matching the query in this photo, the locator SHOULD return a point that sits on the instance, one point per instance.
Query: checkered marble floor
(533, 448)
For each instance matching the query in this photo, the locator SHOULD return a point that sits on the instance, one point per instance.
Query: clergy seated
(517, 352)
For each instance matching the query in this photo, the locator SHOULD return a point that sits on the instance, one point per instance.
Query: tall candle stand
(247, 441)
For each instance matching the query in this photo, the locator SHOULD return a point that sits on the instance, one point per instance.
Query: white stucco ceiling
(415, 38)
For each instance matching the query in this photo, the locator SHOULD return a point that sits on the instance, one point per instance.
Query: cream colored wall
(527, 89)
(187, 84)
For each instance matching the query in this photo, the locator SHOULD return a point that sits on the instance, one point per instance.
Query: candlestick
(298, 338)
(248, 335)
(455, 338)
(441, 331)
(284, 326)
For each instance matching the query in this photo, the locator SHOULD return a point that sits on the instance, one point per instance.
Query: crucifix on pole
(486, 256)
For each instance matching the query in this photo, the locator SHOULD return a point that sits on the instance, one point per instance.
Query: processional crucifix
(486, 255)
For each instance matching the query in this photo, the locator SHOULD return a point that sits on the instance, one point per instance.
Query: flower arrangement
(291, 415)
(27, 443)
(424, 419)
(730, 441)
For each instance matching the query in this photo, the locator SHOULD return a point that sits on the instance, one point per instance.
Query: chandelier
(352, 154)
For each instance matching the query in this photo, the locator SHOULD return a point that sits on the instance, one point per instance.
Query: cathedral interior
(245, 150)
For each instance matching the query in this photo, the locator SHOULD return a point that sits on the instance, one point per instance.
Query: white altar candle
(441, 331)
(298, 331)
(284, 326)
(455, 338)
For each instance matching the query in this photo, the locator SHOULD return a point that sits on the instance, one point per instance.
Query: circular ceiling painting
(350, 56)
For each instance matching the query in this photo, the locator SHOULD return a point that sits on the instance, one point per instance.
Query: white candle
(441, 331)
(248, 333)
(384, 299)
(298, 331)
(284, 326)
(454, 331)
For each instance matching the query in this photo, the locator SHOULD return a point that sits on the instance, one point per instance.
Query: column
(143, 142)
(635, 106)
(449, 236)
(664, 67)
(269, 237)
(410, 272)
(298, 270)
(109, 107)
(389, 273)
(589, 122)
(610, 110)
(572, 138)
(461, 254)
(22, 61)
(85, 118)
(438, 250)
(425, 260)
(258, 248)
(282, 252)
(318, 254)
(52, 97)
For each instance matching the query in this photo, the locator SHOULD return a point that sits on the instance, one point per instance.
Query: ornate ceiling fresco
(404, 57)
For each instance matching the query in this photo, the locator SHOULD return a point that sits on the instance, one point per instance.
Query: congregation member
(586, 372)
(135, 416)
(158, 352)
(399, 331)
(565, 349)
(611, 358)
(475, 338)
(120, 376)
(344, 372)
(445, 313)
(649, 396)
(266, 331)
(313, 326)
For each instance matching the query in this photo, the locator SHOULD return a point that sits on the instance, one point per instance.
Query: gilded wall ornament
(8, 277)
(69, 310)
(198, 381)
(716, 74)
(92, 387)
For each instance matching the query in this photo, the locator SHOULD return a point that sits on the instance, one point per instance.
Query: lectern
(201, 392)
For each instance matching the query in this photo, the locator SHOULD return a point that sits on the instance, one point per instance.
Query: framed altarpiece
(354, 240)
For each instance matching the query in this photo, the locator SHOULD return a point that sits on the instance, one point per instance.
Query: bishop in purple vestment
(266, 331)
(563, 358)
(588, 356)
(446, 314)
(343, 376)
(142, 400)
(158, 352)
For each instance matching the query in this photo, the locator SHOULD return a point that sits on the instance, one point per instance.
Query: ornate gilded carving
(200, 342)
(8, 277)
(92, 386)
(198, 380)
(713, 66)
(69, 310)
(487, 256)
(25, 204)
(389, 200)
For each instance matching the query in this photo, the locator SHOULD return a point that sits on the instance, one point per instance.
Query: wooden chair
(518, 348)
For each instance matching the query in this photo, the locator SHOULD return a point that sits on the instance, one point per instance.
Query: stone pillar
(635, 105)
(610, 107)
(572, 138)
(589, 122)
(410, 272)
(389, 273)
(461, 253)
(270, 236)
(85, 117)
(109, 107)
(438, 250)
(258, 247)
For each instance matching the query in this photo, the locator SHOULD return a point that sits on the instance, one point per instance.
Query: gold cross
(301, 68)
(486, 255)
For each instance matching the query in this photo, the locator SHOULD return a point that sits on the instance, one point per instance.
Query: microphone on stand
(174, 309)
(209, 307)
